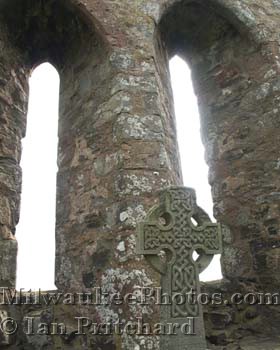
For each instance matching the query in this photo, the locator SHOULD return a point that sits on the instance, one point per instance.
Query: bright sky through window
(36, 229)
(194, 168)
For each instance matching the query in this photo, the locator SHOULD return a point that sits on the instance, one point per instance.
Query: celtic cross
(178, 227)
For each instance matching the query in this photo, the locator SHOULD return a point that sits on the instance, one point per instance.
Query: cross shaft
(171, 227)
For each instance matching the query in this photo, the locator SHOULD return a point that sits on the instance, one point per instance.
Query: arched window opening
(194, 167)
(36, 229)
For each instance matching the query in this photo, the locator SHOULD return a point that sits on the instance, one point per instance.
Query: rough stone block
(8, 259)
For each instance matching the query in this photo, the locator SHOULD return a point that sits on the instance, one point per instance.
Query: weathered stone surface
(232, 74)
(259, 344)
(169, 228)
(118, 147)
(8, 262)
(4, 338)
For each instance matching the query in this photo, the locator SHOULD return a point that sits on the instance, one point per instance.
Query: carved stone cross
(179, 227)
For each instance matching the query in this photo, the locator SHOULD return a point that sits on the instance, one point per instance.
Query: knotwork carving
(179, 227)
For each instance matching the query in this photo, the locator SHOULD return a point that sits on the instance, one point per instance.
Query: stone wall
(235, 72)
(118, 146)
(13, 109)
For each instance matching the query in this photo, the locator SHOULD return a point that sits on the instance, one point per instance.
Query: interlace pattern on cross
(181, 237)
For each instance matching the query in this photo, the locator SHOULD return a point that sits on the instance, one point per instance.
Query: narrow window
(36, 229)
(194, 168)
